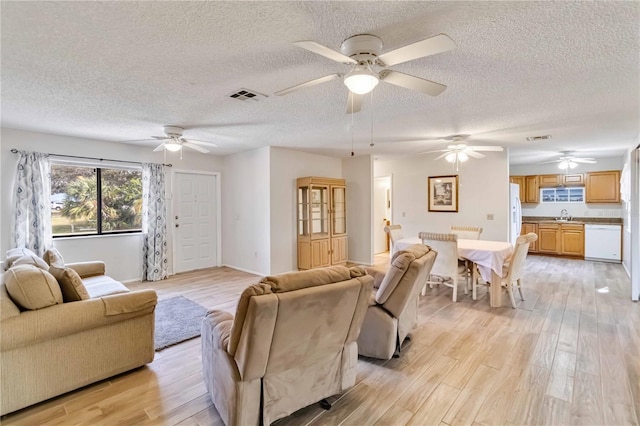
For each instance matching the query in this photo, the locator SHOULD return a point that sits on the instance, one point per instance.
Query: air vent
(538, 138)
(246, 94)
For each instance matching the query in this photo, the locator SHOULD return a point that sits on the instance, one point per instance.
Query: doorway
(381, 212)
(195, 214)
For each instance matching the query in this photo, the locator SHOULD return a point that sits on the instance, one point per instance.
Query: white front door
(195, 222)
(381, 212)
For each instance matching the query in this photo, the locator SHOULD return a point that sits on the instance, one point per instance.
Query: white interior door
(195, 221)
(381, 212)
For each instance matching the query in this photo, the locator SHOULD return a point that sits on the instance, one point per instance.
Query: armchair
(393, 308)
(291, 343)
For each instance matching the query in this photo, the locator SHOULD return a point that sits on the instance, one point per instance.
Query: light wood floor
(570, 354)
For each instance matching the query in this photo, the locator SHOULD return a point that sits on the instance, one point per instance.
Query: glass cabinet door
(303, 211)
(319, 211)
(339, 208)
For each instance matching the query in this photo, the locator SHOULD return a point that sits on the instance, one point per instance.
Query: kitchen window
(89, 200)
(562, 195)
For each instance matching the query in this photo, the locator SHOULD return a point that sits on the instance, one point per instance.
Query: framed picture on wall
(442, 193)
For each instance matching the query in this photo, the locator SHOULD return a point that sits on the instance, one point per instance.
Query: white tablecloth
(488, 255)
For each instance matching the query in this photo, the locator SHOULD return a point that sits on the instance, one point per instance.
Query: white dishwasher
(603, 242)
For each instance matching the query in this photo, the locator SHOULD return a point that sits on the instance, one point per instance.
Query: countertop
(576, 220)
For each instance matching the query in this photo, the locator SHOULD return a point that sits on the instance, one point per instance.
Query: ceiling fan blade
(161, 137)
(474, 154)
(442, 155)
(308, 84)
(321, 50)
(430, 46)
(195, 147)
(159, 148)
(486, 148)
(413, 83)
(138, 140)
(197, 142)
(549, 162)
(354, 102)
(584, 160)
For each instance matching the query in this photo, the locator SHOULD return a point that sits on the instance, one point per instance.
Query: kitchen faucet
(564, 214)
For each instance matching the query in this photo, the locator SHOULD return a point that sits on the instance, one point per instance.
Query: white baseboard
(248, 271)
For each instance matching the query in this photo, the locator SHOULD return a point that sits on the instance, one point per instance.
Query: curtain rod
(15, 151)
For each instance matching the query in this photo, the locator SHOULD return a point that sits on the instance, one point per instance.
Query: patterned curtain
(154, 223)
(32, 192)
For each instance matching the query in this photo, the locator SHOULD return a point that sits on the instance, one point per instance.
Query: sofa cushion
(31, 287)
(70, 283)
(103, 285)
(53, 257)
(400, 262)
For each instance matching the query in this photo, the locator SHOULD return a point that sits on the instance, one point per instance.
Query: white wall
(286, 166)
(483, 190)
(574, 209)
(246, 215)
(122, 254)
(358, 173)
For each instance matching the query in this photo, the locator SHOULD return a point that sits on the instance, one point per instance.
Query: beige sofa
(291, 343)
(393, 307)
(49, 346)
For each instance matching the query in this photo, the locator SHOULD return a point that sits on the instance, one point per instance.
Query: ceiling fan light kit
(567, 164)
(361, 80)
(172, 146)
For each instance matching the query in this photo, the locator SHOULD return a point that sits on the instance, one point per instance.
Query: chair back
(516, 262)
(446, 264)
(407, 274)
(394, 231)
(467, 232)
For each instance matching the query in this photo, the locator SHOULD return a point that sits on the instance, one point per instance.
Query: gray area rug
(177, 319)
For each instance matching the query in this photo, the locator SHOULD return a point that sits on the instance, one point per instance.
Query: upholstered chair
(393, 307)
(466, 232)
(512, 270)
(448, 269)
(395, 233)
(292, 342)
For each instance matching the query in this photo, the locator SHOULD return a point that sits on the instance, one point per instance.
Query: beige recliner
(292, 342)
(393, 308)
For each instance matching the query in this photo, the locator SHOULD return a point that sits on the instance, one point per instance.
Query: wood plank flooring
(570, 354)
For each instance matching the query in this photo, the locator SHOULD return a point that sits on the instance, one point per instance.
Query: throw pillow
(31, 287)
(71, 284)
(31, 259)
(14, 254)
(53, 257)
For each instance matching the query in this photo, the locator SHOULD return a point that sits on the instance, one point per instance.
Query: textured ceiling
(119, 71)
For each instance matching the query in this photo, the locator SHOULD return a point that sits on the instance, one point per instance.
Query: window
(562, 195)
(78, 193)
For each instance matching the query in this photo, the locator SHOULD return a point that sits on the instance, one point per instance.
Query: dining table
(489, 256)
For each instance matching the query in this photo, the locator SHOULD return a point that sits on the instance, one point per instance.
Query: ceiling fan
(363, 53)
(570, 161)
(174, 142)
(459, 151)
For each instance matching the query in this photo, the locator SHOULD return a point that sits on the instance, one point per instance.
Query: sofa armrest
(220, 323)
(88, 269)
(64, 319)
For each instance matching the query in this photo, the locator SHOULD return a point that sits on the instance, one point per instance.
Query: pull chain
(352, 154)
(371, 140)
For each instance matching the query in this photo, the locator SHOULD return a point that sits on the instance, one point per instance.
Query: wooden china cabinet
(321, 222)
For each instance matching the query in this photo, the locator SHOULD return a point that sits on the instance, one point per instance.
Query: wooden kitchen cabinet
(321, 222)
(566, 239)
(572, 239)
(603, 187)
(532, 190)
(549, 238)
(576, 179)
(527, 228)
(520, 181)
(549, 181)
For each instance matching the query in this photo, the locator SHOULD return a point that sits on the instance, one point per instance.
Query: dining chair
(513, 269)
(467, 232)
(395, 233)
(447, 268)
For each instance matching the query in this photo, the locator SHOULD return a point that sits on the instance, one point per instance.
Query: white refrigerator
(515, 212)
